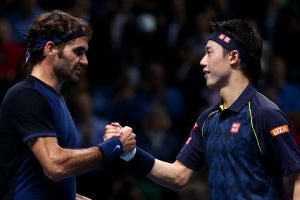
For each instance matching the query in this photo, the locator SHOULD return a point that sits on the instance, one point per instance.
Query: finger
(109, 126)
(109, 135)
(116, 124)
(112, 129)
(126, 130)
(129, 145)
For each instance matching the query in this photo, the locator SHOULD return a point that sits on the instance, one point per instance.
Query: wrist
(129, 155)
(111, 149)
(142, 161)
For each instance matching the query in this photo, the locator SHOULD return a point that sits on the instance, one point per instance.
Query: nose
(83, 60)
(203, 61)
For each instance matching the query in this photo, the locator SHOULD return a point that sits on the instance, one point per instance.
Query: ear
(235, 57)
(49, 49)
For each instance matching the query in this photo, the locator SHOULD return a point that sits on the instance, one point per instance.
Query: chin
(211, 85)
(72, 80)
(75, 80)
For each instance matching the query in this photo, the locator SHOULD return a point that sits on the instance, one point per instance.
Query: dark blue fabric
(244, 161)
(229, 44)
(142, 161)
(111, 149)
(32, 109)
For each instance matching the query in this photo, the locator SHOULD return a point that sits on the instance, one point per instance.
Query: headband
(41, 42)
(229, 44)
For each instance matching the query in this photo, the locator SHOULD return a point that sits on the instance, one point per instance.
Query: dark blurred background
(144, 72)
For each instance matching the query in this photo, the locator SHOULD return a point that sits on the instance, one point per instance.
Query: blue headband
(229, 44)
(41, 42)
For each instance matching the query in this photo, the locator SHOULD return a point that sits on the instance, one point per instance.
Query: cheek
(218, 65)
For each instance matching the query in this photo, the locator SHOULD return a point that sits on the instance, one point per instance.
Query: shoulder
(261, 105)
(265, 112)
(206, 113)
(21, 97)
(21, 92)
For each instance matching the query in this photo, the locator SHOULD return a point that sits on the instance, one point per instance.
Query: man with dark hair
(245, 141)
(38, 159)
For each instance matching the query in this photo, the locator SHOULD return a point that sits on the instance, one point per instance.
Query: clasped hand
(127, 137)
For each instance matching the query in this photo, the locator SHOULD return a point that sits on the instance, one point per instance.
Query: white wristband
(129, 155)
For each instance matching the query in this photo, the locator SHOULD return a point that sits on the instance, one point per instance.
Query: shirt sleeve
(30, 115)
(192, 154)
(279, 140)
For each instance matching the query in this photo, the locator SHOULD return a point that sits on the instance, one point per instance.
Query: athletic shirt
(247, 149)
(32, 109)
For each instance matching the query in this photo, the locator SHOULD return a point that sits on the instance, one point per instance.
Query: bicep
(45, 149)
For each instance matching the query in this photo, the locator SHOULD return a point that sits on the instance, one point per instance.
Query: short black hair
(247, 37)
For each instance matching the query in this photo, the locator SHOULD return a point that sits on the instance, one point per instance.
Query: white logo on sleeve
(118, 147)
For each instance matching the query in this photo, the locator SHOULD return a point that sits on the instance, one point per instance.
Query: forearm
(67, 162)
(59, 163)
(173, 176)
(296, 195)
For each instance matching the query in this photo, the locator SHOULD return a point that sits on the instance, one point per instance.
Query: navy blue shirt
(32, 109)
(247, 148)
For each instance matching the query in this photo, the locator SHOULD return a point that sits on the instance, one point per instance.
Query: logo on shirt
(188, 140)
(195, 126)
(235, 127)
(279, 130)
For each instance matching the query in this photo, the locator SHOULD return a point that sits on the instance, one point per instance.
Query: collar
(242, 100)
(35, 79)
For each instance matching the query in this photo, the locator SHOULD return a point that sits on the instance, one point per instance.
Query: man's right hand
(125, 134)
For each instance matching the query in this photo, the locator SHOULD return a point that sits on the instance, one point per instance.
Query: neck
(45, 73)
(233, 90)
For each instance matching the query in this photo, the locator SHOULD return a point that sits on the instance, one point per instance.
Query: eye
(79, 51)
(208, 52)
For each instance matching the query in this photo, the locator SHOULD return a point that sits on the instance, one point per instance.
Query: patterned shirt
(247, 148)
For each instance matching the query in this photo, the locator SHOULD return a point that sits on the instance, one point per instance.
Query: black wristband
(142, 161)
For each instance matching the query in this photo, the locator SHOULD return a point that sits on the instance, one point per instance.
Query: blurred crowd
(144, 72)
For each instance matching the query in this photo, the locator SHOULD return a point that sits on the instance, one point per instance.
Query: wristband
(111, 149)
(142, 161)
(129, 155)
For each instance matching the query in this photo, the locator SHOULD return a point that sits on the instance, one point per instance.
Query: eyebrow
(208, 48)
(80, 48)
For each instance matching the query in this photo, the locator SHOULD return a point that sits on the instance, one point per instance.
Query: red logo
(195, 125)
(188, 140)
(279, 130)
(224, 38)
(227, 39)
(235, 127)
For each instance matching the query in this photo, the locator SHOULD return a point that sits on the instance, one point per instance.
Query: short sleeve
(29, 114)
(192, 154)
(278, 139)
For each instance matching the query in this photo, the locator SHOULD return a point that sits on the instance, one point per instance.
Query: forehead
(81, 42)
(213, 45)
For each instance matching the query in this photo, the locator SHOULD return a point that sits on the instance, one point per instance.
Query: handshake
(118, 142)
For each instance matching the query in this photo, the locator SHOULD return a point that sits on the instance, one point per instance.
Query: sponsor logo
(195, 125)
(235, 127)
(188, 140)
(224, 38)
(117, 148)
(279, 130)
(221, 36)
